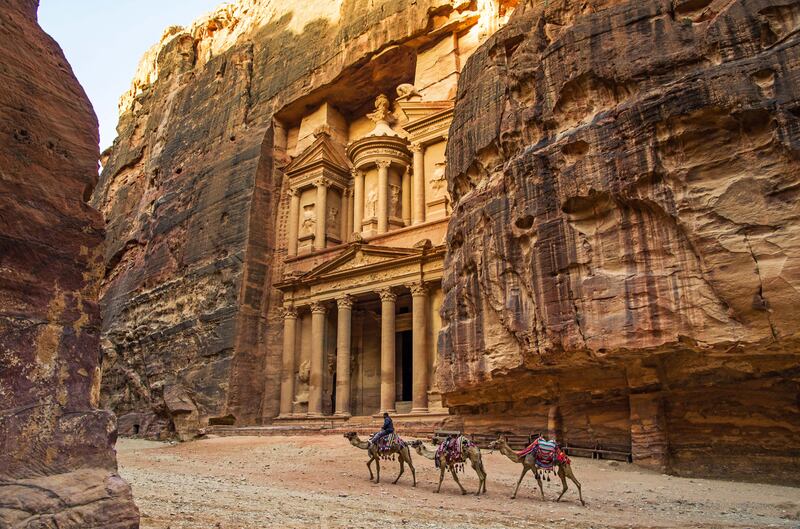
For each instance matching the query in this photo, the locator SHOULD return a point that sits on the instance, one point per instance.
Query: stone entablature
(364, 269)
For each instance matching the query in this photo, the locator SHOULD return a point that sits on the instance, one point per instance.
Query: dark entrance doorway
(406, 366)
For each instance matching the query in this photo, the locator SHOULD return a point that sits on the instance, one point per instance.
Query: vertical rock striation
(191, 191)
(57, 461)
(623, 253)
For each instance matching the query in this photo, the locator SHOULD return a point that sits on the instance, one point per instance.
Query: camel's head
(416, 445)
(494, 445)
(350, 436)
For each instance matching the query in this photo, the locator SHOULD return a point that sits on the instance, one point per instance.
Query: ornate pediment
(362, 257)
(414, 111)
(323, 152)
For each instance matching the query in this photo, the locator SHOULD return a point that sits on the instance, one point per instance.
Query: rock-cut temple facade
(363, 227)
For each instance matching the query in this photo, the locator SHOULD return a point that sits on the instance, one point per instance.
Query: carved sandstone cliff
(623, 261)
(192, 187)
(57, 461)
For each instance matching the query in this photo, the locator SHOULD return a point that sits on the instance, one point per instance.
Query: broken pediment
(324, 152)
(411, 111)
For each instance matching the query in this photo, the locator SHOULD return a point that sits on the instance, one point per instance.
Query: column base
(315, 415)
(419, 410)
(391, 411)
(342, 414)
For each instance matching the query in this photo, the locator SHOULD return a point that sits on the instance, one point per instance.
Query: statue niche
(309, 219)
(395, 209)
(371, 208)
(332, 221)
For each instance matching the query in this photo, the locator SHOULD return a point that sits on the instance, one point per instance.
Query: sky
(104, 40)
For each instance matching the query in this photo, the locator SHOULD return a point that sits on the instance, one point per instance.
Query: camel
(529, 463)
(403, 454)
(471, 453)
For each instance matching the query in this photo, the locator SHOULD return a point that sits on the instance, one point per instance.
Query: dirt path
(321, 481)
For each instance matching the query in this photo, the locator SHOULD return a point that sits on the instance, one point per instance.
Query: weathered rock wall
(57, 461)
(191, 196)
(623, 255)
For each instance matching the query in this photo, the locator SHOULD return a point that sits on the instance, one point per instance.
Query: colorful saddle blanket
(547, 454)
(391, 442)
(451, 450)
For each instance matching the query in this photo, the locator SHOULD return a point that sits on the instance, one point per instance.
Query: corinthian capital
(289, 313)
(383, 164)
(418, 289)
(387, 294)
(415, 147)
(345, 301)
(318, 308)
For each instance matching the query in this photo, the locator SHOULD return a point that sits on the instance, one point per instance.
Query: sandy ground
(322, 482)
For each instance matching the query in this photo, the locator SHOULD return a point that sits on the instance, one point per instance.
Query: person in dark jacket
(387, 429)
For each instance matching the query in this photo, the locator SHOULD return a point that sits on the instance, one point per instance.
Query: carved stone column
(419, 333)
(383, 195)
(358, 201)
(345, 305)
(322, 214)
(318, 311)
(388, 389)
(406, 197)
(347, 211)
(287, 371)
(418, 206)
(343, 208)
(294, 220)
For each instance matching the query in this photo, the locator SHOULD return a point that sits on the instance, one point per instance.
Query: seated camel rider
(387, 429)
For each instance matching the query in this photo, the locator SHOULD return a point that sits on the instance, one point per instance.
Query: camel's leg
(413, 470)
(369, 467)
(378, 469)
(524, 470)
(441, 478)
(539, 482)
(455, 477)
(571, 475)
(477, 465)
(402, 468)
(561, 474)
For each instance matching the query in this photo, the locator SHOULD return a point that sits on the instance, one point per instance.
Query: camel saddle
(451, 450)
(546, 454)
(391, 442)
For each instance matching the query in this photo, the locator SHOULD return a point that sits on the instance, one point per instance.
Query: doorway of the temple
(405, 368)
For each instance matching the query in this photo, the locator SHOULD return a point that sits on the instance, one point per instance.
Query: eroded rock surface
(623, 255)
(192, 188)
(57, 460)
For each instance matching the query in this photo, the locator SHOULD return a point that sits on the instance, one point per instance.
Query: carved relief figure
(407, 91)
(303, 376)
(309, 220)
(438, 181)
(382, 113)
(395, 206)
(333, 220)
(372, 203)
